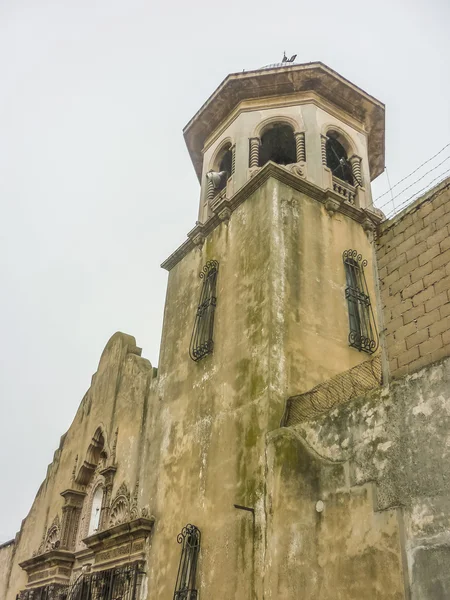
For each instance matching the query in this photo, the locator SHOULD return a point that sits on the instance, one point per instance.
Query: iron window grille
(185, 588)
(121, 583)
(202, 334)
(363, 333)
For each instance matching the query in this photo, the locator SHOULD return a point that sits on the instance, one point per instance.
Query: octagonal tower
(272, 294)
(332, 132)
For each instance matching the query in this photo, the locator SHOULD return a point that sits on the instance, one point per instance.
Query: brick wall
(413, 251)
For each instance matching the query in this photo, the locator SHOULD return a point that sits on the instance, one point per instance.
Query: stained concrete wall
(347, 551)
(413, 252)
(281, 325)
(6, 559)
(203, 437)
(399, 438)
(194, 436)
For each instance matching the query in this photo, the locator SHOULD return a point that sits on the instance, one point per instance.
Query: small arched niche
(278, 145)
(337, 156)
(95, 454)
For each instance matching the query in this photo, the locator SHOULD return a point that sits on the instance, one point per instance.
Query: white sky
(96, 185)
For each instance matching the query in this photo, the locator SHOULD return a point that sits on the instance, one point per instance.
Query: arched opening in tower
(223, 169)
(337, 160)
(278, 145)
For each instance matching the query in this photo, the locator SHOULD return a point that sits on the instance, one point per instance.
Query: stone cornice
(120, 544)
(120, 533)
(50, 557)
(267, 83)
(226, 206)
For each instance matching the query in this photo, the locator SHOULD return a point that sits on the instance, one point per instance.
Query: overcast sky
(96, 185)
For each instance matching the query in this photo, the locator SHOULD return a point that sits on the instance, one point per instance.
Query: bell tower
(306, 118)
(285, 156)
(272, 294)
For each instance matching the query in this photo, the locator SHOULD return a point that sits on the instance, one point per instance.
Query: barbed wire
(412, 172)
(418, 193)
(414, 182)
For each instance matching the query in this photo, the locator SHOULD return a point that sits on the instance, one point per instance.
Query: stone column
(300, 146)
(324, 149)
(355, 162)
(108, 474)
(254, 152)
(71, 512)
(209, 189)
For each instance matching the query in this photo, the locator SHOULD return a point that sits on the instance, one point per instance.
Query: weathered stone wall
(200, 438)
(191, 440)
(281, 325)
(398, 438)
(413, 251)
(6, 558)
(347, 551)
(120, 398)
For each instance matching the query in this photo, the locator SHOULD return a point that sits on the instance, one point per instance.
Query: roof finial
(285, 59)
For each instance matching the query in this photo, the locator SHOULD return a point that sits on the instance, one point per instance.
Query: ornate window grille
(121, 583)
(185, 588)
(202, 334)
(363, 333)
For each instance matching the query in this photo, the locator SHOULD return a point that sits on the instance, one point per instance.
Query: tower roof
(281, 80)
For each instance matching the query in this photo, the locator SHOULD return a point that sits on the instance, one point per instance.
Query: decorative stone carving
(108, 475)
(197, 234)
(124, 507)
(355, 162)
(345, 190)
(51, 537)
(134, 513)
(120, 507)
(123, 542)
(119, 512)
(297, 169)
(254, 152)
(323, 146)
(114, 447)
(224, 214)
(332, 206)
(71, 517)
(300, 146)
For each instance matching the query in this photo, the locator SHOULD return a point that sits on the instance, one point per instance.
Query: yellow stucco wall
(194, 437)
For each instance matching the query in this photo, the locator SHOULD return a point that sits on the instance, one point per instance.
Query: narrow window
(185, 588)
(363, 334)
(94, 521)
(202, 334)
(278, 144)
(337, 160)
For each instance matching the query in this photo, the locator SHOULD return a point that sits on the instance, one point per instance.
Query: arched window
(94, 520)
(337, 159)
(226, 162)
(278, 145)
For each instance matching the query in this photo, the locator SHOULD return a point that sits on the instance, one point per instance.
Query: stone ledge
(201, 230)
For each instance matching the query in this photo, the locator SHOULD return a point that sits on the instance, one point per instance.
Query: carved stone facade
(348, 497)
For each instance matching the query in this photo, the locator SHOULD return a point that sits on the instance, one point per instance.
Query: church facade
(294, 439)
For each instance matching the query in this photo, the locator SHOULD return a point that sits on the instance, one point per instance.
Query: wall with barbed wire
(413, 252)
